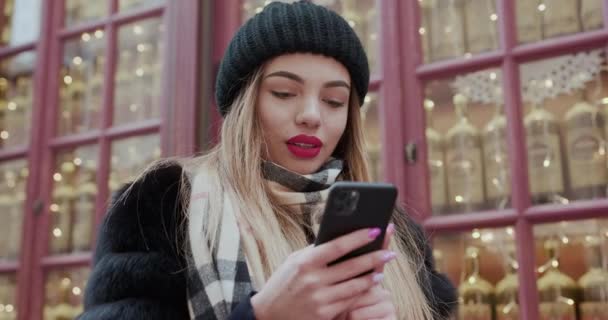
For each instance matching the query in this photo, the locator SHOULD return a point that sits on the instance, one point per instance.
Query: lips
(303, 146)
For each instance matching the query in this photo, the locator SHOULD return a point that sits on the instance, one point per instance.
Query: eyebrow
(297, 78)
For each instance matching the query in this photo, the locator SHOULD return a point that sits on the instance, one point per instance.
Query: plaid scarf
(222, 277)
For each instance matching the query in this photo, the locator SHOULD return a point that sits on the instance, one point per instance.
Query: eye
(282, 95)
(334, 103)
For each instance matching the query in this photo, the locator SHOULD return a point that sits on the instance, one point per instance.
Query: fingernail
(389, 256)
(374, 233)
(377, 277)
(390, 228)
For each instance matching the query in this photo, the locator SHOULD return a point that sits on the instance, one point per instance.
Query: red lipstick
(303, 146)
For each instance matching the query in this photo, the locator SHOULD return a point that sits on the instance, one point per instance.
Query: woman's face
(303, 104)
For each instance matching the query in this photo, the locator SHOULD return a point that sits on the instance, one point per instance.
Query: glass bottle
(558, 292)
(544, 156)
(496, 161)
(594, 283)
(480, 28)
(507, 307)
(586, 151)
(447, 36)
(475, 294)
(464, 162)
(435, 160)
(560, 17)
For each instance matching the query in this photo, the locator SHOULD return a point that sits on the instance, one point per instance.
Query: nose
(309, 113)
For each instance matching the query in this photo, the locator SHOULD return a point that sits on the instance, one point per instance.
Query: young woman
(227, 235)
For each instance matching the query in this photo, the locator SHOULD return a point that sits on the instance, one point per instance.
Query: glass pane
(370, 116)
(13, 175)
(130, 157)
(81, 79)
(19, 22)
(79, 11)
(64, 291)
(16, 92)
(74, 194)
(572, 269)
(483, 265)
(138, 78)
(364, 17)
(456, 28)
(539, 20)
(139, 4)
(251, 7)
(8, 297)
(565, 109)
(467, 143)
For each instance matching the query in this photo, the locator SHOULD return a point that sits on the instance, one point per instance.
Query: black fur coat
(140, 271)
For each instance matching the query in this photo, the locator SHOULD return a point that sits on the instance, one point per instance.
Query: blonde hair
(236, 163)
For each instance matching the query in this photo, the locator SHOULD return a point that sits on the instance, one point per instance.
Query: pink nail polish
(374, 233)
(377, 277)
(389, 256)
(390, 228)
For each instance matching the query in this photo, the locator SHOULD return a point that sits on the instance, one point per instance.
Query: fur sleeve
(139, 269)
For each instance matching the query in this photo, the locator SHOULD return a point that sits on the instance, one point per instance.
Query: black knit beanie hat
(300, 27)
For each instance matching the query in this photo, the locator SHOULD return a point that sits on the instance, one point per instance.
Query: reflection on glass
(64, 291)
(138, 73)
(19, 21)
(481, 263)
(539, 20)
(565, 127)
(73, 206)
(572, 276)
(13, 178)
(139, 4)
(370, 116)
(456, 28)
(467, 143)
(130, 157)
(81, 79)
(8, 297)
(16, 91)
(79, 11)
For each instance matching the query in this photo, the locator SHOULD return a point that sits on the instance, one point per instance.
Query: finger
(332, 250)
(349, 289)
(390, 231)
(355, 266)
(330, 311)
(376, 311)
(372, 296)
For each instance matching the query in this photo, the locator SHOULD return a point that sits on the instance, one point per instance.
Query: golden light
(367, 99)
(67, 80)
(9, 308)
(76, 291)
(542, 7)
(54, 207)
(77, 161)
(421, 31)
(99, 34)
(137, 29)
(141, 47)
(4, 134)
(493, 75)
(476, 234)
(85, 37)
(57, 177)
(493, 17)
(57, 232)
(66, 281)
(77, 60)
(139, 72)
(12, 105)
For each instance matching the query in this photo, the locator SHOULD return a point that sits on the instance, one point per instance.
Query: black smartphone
(356, 205)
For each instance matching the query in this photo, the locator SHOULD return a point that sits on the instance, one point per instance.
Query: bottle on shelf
(464, 162)
(558, 293)
(507, 305)
(544, 156)
(594, 283)
(586, 151)
(475, 294)
(435, 161)
(496, 161)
